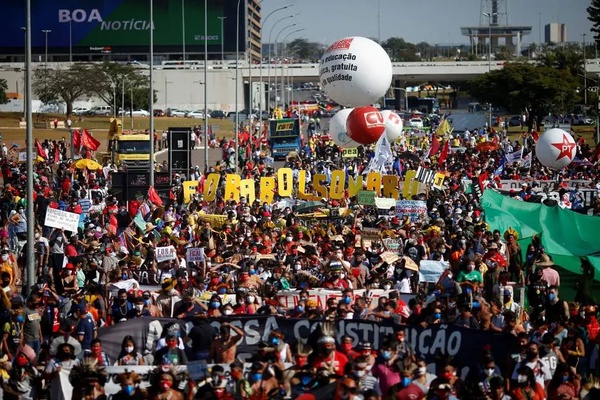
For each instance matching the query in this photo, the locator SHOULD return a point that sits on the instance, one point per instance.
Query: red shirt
(337, 360)
(71, 251)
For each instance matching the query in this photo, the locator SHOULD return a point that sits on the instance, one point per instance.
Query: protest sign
(350, 153)
(165, 253)
(413, 208)
(59, 219)
(430, 271)
(195, 254)
(393, 245)
(366, 197)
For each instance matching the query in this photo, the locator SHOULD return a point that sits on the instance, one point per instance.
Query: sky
(432, 21)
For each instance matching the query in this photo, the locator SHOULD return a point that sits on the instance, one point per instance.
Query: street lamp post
(30, 266)
(237, 90)
(206, 85)
(584, 73)
(183, 30)
(222, 40)
(269, 57)
(151, 94)
(490, 15)
(123, 103)
(283, 53)
(46, 32)
(276, 41)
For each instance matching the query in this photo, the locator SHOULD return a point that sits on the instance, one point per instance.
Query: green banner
(566, 235)
(366, 197)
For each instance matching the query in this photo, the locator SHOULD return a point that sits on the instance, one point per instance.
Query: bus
(426, 105)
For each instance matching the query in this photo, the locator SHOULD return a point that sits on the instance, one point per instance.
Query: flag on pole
(435, 147)
(443, 128)
(89, 141)
(383, 155)
(514, 156)
(500, 168)
(40, 150)
(444, 154)
(154, 197)
(76, 139)
(526, 161)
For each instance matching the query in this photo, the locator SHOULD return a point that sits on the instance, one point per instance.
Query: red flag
(444, 154)
(154, 197)
(89, 141)
(56, 155)
(482, 178)
(435, 146)
(40, 150)
(535, 135)
(76, 140)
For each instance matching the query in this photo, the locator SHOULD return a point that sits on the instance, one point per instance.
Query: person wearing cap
(493, 258)
(86, 328)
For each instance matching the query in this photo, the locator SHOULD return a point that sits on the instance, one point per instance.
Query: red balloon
(365, 125)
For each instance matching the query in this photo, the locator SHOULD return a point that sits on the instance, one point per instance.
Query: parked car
(415, 122)
(515, 120)
(80, 110)
(196, 114)
(218, 114)
(177, 113)
(140, 113)
(100, 110)
(158, 112)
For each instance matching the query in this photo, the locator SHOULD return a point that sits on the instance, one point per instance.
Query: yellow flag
(443, 128)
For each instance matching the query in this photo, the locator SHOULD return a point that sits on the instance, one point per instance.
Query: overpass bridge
(181, 86)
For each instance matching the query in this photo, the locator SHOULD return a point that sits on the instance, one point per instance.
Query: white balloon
(393, 125)
(337, 129)
(556, 148)
(355, 71)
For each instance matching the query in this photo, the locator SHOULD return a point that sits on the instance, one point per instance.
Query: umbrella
(86, 163)
(309, 206)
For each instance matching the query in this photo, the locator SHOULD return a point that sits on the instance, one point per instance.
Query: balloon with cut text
(393, 125)
(556, 148)
(337, 129)
(355, 71)
(365, 125)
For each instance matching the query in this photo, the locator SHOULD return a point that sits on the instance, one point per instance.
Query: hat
(364, 346)
(443, 386)
(149, 227)
(69, 266)
(493, 246)
(395, 221)
(544, 261)
(168, 284)
(79, 308)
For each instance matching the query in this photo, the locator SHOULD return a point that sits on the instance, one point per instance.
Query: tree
(594, 16)
(56, 84)
(400, 50)
(563, 57)
(3, 90)
(539, 89)
(304, 50)
(113, 76)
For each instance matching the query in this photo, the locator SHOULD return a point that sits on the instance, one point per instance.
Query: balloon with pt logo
(393, 125)
(556, 148)
(337, 129)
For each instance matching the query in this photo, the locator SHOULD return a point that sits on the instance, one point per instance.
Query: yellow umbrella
(86, 163)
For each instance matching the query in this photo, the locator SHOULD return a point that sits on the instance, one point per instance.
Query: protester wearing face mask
(525, 386)
(23, 376)
(387, 368)
(129, 354)
(422, 378)
(130, 389)
(165, 298)
(448, 375)
(69, 279)
(540, 370)
(64, 360)
(171, 354)
(329, 358)
(164, 387)
(13, 330)
(122, 309)
(406, 389)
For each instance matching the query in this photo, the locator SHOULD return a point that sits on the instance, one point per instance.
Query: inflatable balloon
(355, 71)
(337, 129)
(365, 125)
(555, 148)
(393, 125)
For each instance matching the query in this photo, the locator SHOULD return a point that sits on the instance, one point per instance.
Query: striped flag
(514, 156)
(526, 161)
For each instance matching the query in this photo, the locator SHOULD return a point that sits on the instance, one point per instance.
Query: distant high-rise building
(555, 33)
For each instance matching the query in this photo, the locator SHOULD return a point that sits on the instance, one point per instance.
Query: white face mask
(129, 349)
(4, 257)
(228, 312)
(250, 299)
(521, 378)
(139, 307)
(37, 235)
(489, 371)
(342, 275)
(361, 373)
(386, 287)
(298, 267)
(422, 370)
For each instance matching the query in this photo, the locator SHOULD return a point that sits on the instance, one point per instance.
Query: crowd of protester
(256, 250)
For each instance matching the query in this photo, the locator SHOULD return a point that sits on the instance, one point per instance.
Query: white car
(177, 113)
(80, 110)
(196, 114)
(415, 122)
(139, 113)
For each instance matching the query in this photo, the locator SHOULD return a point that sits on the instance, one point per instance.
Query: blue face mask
(215, 304)
(20, 318)
(306, 379)
(386, 354)
(252, 272)
(255, 377)
(565, 378)
(124, 277)
(147, 302)
(222, 291)
(347, 300)
(405, 381)
(437, 315)
(129, 390)
(300, 308)
(275, 341)
(475, 304)
(551, 296)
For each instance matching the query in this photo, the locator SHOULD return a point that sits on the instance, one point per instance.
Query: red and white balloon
(393, 125)
(365, 125)
(337, 129)
(556, 148)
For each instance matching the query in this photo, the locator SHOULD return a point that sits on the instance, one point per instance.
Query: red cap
(266, 214)
(69, 266)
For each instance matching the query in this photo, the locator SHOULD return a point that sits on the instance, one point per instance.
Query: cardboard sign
(412, 208)
(62, 220)
(165, 253)
(195, 254)
(366, 197)
(350, 153)
(438, 181)
(430, 271)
